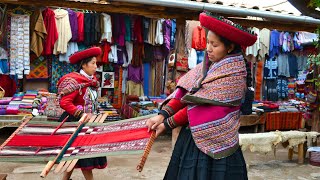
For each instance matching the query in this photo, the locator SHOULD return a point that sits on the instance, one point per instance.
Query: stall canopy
(270, 14)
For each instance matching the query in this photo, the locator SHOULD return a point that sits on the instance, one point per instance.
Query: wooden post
(290, 154)
(300, 154)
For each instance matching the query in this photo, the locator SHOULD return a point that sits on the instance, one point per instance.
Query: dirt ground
(260, 167)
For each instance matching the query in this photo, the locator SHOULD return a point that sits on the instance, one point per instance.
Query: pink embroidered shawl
(214, 104)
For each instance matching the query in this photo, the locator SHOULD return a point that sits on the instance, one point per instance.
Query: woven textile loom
(66, 142)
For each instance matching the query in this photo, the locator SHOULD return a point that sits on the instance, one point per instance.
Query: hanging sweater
(80, 17)
(64, 30)
(106, 28)
(52, 32)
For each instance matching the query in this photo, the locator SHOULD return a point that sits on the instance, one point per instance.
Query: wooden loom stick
(63, 164)
(74, 161)
(104, 116)
(146, 151)
(27, 119)
(59, 167)
(50, 164)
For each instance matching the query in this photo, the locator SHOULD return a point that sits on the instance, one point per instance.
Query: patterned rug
(57, 70)
(38, 68)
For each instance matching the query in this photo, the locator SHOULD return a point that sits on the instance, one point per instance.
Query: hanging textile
(80, 17)
(38, 32)
(89, 31)
(282, 87)
(254, 49)
(158, 78)
(117, 98)
(20, 47)
(72, 48)
(39, 68)
(4, 64)
(159, 32)
(52, 32)
(190, 26)
(73, 19)
(57, 70)
(64, 31)
(259, 80)
(264, 40)
(152, 31)
(106, 28)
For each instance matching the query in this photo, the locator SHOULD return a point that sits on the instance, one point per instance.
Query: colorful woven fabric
(117, 98)
(283, 121)
(40, 142)
(220, 91)
(259, 80)
(59, 69)
(38, 68)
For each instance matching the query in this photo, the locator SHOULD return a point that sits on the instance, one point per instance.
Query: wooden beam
(159, 12)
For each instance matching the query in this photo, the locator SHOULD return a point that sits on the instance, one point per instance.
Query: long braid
(249, 73)
(246, 107)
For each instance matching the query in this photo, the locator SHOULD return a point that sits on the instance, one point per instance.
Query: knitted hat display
(80, 55)
(227, 29)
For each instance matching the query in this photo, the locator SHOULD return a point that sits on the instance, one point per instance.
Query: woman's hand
(160, 129)
(153, 122)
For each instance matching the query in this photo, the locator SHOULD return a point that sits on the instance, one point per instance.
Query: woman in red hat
(78, 95)
(206, 104)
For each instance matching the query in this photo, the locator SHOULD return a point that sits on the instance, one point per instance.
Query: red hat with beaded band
(80, 55)
(227, 29)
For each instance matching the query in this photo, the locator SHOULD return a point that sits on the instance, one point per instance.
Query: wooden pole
(146, 151)
(50, 164)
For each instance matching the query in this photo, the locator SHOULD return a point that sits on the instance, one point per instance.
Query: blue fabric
(274, 43)
(293, 65)
(200, 56)
(146, 80)
(4, 66)
(173, 34)
(271, 69)
(282, 87)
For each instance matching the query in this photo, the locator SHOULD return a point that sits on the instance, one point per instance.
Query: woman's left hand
(160, 129)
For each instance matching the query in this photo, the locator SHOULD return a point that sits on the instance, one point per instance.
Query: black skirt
(189, 163)
(89, 163)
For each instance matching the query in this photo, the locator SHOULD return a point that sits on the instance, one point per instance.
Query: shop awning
(246, 15)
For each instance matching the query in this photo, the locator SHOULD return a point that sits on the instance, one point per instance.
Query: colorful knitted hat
(80, 55)
(227, 29)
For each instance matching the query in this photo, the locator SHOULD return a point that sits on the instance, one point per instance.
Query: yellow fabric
(134, 89)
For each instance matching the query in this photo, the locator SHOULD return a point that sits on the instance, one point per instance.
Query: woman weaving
(206, 103)
(78, 92)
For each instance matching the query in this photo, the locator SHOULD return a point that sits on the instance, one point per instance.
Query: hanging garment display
(39, 68)
(38, 32)
(19, 45)
(64, 30)
(52, 32)
(106, 28)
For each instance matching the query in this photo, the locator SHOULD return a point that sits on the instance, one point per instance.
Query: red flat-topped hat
(80, 55)
(227, 29)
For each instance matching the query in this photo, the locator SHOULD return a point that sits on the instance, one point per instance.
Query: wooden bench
(267, 142)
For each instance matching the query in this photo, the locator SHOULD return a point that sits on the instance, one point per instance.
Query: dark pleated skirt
(189, 163)
(89, 163)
